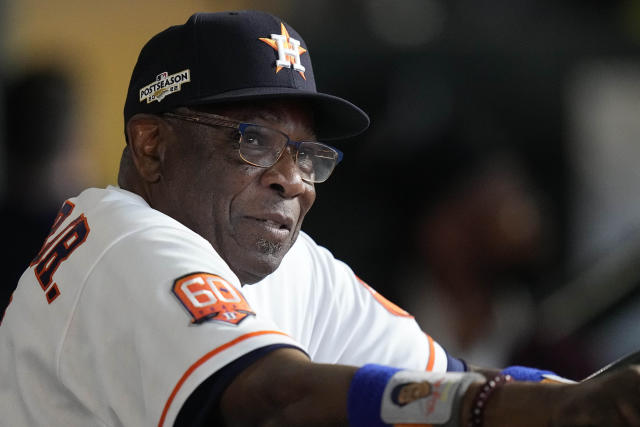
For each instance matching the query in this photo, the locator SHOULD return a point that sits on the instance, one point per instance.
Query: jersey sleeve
(159, 313)
(355, 324)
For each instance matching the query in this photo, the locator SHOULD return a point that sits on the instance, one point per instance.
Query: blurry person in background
(40, 132)
(481, 243)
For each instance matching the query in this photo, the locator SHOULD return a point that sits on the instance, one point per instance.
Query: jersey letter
(68, 241)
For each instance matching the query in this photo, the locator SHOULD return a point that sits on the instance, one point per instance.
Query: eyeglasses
(262, 146)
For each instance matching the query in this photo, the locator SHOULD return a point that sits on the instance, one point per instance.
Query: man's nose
(285, 176)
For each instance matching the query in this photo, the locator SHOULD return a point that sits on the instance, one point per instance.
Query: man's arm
(285, 389)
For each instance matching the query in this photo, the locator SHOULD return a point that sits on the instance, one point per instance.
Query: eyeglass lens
(263, 146)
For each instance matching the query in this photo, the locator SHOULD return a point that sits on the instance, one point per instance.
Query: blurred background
(495, 196)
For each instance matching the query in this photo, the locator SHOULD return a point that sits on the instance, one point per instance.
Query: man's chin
(257, 273)
(269, 248)
(255, 256)
(261, 262)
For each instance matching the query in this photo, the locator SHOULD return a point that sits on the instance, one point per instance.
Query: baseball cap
(234, 56)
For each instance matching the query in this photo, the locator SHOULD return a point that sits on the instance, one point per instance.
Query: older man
(189, 295)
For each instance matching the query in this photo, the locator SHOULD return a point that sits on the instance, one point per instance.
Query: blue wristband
(524, 373)
(365, 395)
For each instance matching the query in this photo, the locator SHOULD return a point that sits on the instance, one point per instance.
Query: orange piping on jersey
(388, 305)
(204, 359)
(432, 354)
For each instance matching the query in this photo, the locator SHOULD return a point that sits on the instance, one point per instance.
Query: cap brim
(334, 117)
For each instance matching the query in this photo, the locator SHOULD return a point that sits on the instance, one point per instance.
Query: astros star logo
(288, 49)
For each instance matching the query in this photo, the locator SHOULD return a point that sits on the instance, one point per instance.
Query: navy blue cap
(234, 56)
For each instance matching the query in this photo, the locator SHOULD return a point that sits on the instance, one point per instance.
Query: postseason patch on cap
(164, 85)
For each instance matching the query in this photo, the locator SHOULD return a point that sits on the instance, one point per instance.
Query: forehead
(266, 111)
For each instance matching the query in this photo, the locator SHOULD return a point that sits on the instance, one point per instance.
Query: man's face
(250, 215)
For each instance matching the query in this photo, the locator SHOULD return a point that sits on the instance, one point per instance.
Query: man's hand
(611, 400)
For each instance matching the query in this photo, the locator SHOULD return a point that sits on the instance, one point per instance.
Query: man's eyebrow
(260, 114)
(270, 116)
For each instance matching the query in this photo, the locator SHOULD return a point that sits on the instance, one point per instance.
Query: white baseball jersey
(125, 311)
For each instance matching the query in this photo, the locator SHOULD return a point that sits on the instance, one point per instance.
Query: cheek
(201, 187)
(229, 187)
(213, 170)
(307, 201)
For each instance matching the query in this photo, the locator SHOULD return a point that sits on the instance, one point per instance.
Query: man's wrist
(383, 396)
(482, 397)
(523, 404)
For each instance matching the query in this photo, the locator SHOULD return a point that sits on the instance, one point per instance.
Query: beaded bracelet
(480, 401)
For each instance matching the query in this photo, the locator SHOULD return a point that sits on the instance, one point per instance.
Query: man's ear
(147, 145)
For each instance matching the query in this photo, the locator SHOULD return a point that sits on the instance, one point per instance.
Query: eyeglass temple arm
(211, 119)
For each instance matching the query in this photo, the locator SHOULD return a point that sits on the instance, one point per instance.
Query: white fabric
(319, 301)
(117, 347)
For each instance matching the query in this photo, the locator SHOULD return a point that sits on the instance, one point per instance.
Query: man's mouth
(274, 226)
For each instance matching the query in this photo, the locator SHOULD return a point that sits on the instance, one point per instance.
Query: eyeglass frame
(217, 120)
